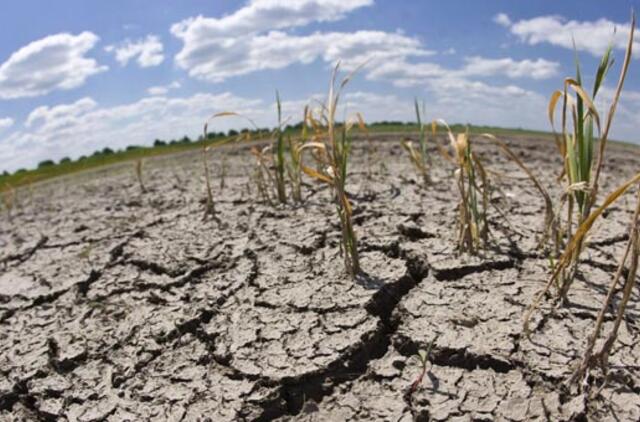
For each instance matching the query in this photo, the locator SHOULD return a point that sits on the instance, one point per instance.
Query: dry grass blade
(577, 147)
(591, 359)
(576, 241)
(549, 213)
(419, 157)
(473, 230)
(332, 148)
(614, 103)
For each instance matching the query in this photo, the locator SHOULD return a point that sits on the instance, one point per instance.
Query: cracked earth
(117, 305)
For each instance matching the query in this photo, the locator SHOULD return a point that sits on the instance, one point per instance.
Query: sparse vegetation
(473, 186)
(577, 144)
(333, 147)
(321, 147)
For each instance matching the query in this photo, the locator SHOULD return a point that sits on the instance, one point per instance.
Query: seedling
(279, 155)
(333, 147)
(419, 157)
(294, 167)
(423, 357)
(223, 171)
(138, 167)
(473, 186)
(576, 144)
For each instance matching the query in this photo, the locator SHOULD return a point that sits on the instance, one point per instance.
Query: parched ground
(119, 305)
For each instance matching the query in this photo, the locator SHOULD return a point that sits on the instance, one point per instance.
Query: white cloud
(260, 16)
(502, 19)
(148, 51)
(404, 74)
(82, 127)
(5, 122)
(163, 89)
(536, 69)
(56, 62)
(590, 36)
(276, 50)
(252, 39)
(51, 118)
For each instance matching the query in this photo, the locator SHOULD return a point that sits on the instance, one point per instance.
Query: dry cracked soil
(118, 305)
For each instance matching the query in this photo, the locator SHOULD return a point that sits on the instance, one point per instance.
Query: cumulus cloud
(5, 122)
(253, 39)
(81, 127)
(536, 69)
(276, 50)
(163, 89)
(262, 15)
(56, 62)
(148, 51)
(502, 19)
(52, 118)
(590, 36)
(84, 126)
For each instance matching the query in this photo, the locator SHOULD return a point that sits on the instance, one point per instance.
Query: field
(122, 303)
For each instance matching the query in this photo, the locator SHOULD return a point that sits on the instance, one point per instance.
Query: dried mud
(121, 305)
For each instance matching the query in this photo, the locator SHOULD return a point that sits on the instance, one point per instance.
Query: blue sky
(76, 76)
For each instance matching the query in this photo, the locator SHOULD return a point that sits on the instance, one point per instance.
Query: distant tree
(185, 140)
(45, 163)
(82, 158)
(65, 160)
(19, 171)
(232, 132)
(133, 147)
(5, 173)
(159, 143)
(173, 142)
(107, 151)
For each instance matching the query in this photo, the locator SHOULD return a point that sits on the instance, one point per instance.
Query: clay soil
(119, 305)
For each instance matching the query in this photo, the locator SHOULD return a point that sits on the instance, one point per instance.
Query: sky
(77, 75)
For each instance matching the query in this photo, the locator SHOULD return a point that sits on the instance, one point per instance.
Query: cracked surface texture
(122, 306)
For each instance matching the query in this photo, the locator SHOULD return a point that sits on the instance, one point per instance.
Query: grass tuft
(576, 142)
(332, 147)
(473, 185)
